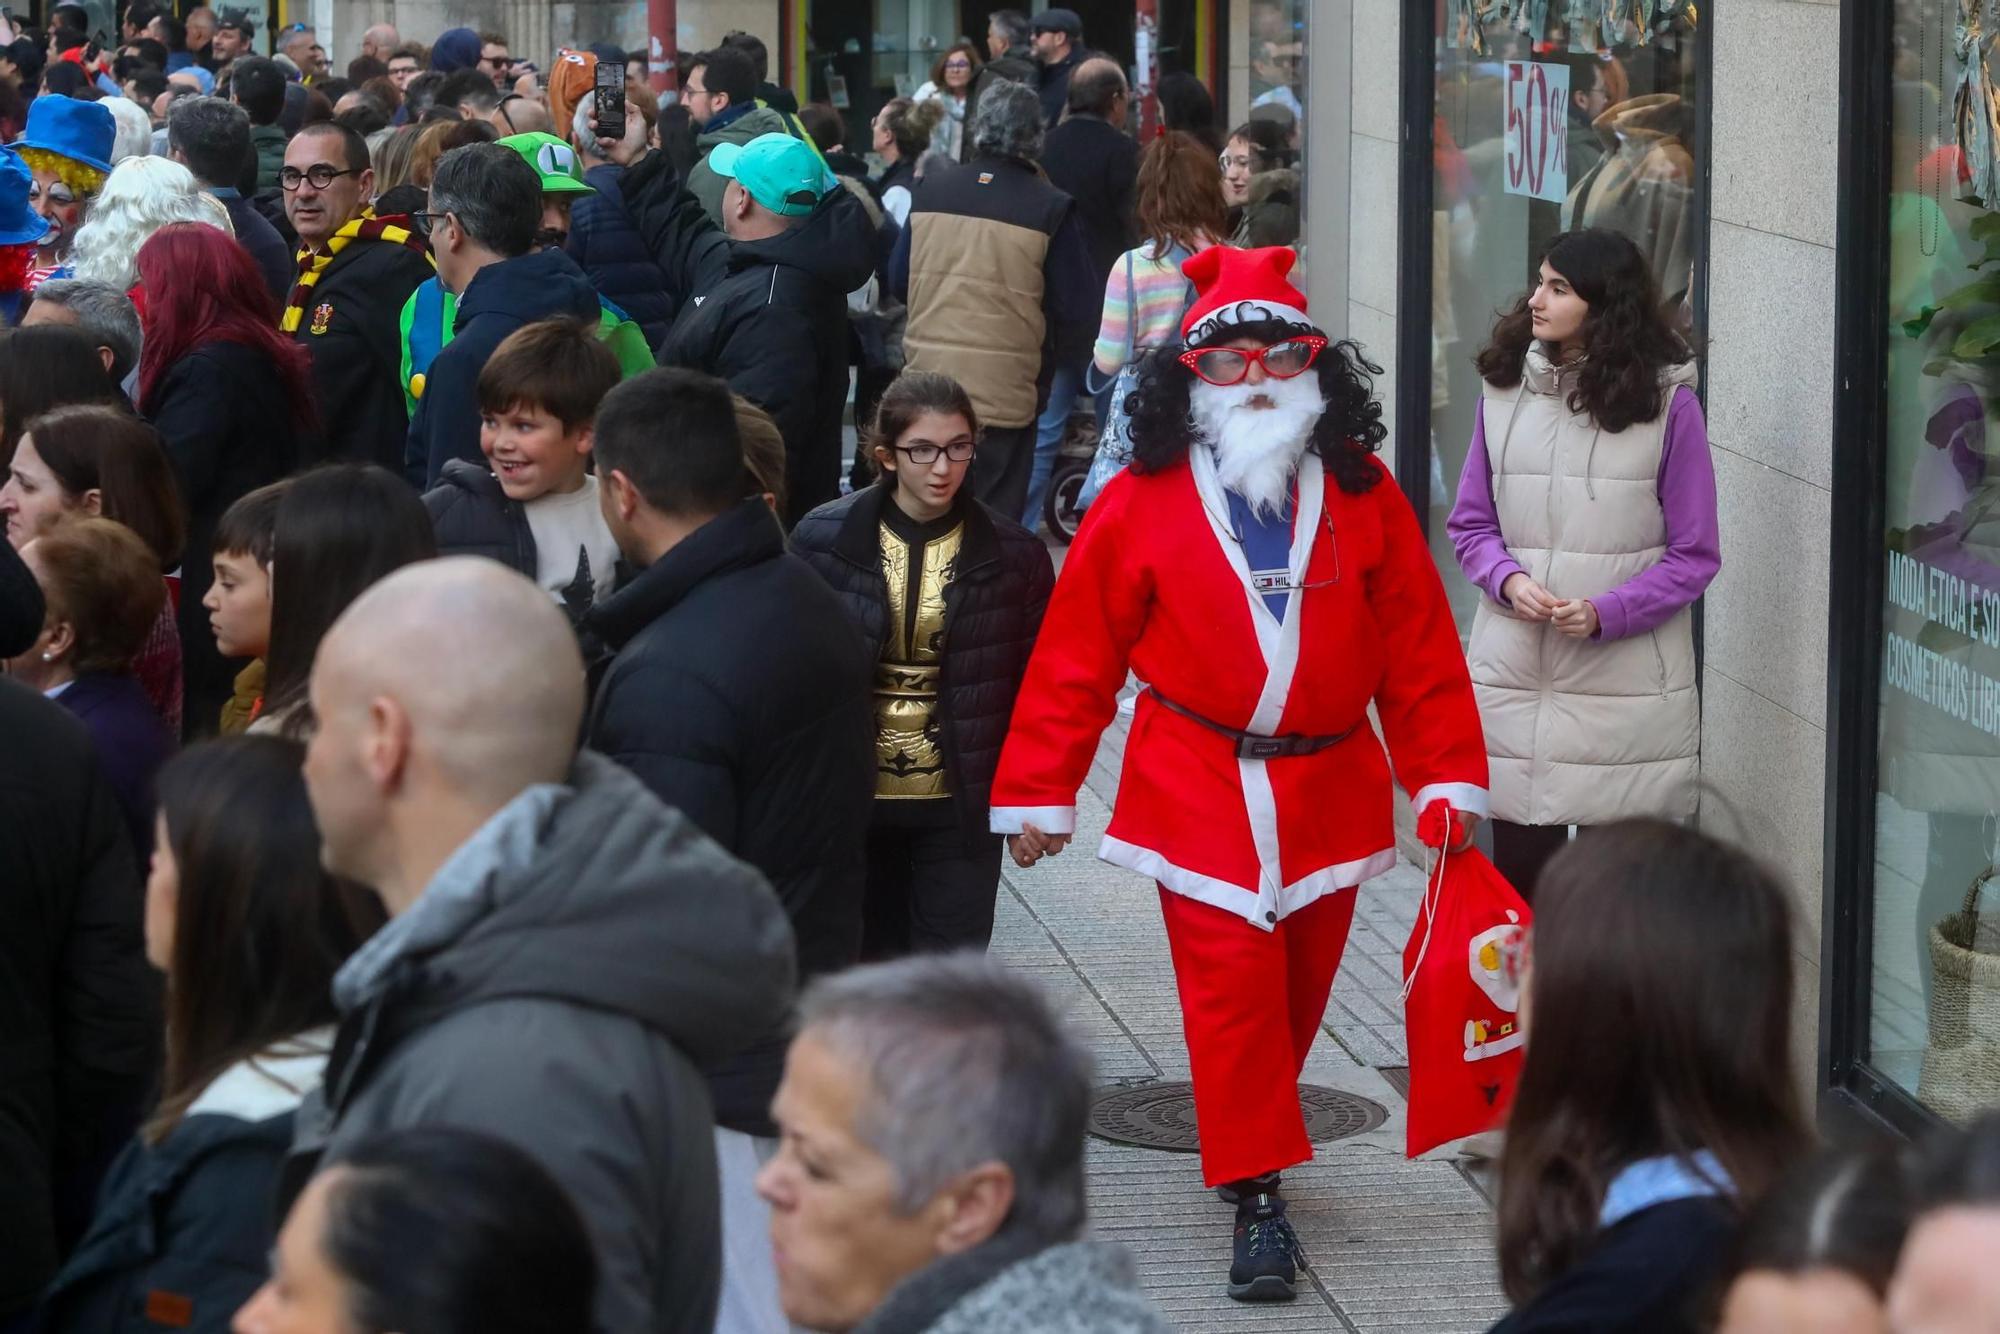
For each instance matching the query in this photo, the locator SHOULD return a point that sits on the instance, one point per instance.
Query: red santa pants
(1251, 1005)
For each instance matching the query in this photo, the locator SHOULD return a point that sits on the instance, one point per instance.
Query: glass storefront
(1588, 122)
(1934, 995)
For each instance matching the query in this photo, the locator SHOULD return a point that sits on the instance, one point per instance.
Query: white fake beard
(1257, 449)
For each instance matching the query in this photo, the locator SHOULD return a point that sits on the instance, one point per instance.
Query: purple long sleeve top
(1686, 485)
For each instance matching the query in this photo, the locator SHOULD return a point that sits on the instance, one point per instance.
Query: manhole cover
(1161, 1116)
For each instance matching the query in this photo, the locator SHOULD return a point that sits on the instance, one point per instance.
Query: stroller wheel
(1061, 511)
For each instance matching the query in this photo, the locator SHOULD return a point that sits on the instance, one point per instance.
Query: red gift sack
(1460, 991)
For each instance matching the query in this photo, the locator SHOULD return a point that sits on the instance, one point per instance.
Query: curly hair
(1627, 341)
(1345, 436)
(141, 196)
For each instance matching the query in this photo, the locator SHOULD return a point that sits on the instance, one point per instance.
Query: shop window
(1550, 115)
(1934, 989)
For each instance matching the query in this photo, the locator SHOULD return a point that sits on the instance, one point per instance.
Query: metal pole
(1146, 67)
(662, 65)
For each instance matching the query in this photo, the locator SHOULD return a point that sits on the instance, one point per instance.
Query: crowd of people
(505, 814)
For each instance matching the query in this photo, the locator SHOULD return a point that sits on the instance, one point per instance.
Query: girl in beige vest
(1586, 514)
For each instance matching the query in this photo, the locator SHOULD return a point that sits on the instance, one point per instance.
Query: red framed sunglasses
(1229, 365)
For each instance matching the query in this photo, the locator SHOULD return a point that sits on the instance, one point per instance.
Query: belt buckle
(1262, 748)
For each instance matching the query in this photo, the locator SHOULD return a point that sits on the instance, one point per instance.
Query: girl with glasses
(950, 86)
(950, 594)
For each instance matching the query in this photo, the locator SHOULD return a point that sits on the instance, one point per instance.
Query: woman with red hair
(232, 400)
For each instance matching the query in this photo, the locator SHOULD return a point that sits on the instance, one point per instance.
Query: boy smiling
(534, 507)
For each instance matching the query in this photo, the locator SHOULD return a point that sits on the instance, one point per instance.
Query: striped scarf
(393, 229)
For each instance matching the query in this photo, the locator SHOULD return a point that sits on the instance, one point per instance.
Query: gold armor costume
(916, 568)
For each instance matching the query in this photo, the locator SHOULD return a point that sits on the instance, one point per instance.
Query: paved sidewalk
(1390, 1244)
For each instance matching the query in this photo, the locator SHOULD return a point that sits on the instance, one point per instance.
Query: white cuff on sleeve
(1048, 819)
(1466, 797)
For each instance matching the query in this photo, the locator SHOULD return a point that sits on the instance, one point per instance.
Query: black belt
(1251, 746)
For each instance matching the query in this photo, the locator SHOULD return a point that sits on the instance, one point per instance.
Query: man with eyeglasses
(1258, 568)
(355, 271)
(404, 65)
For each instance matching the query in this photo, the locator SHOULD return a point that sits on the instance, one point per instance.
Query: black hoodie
(768, 316)
(500, 299)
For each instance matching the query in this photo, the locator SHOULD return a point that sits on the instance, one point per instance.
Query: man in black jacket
(212, 138)
(355, 272)
(1010, 60)
(80, 1007)
(763, 307)
(1059, 50)
(740, 694)
(1090, 158)
(485, 207)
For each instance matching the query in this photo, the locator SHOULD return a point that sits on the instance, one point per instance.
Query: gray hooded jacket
(555, 985)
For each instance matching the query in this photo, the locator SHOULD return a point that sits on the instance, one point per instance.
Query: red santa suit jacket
(1157, 581)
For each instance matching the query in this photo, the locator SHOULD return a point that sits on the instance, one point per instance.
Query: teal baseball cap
(780, 172)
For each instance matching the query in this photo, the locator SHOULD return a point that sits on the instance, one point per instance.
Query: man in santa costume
(1257, 568)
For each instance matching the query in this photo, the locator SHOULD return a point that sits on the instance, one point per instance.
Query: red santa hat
(1238, 287)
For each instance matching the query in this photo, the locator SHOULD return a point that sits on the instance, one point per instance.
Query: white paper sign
(1537, 130)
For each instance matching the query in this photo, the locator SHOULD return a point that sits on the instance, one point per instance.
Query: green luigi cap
(780, 172)
(553, 160)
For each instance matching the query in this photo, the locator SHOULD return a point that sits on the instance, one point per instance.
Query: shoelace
(1275, 1234)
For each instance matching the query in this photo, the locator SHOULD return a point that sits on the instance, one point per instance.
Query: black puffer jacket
(79, 1005)
(992, 613)
(474, 517)
(740, 696)
(768, 316)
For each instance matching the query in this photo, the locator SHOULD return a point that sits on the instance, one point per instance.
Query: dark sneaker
(1267, 1252)
(1232, 1192)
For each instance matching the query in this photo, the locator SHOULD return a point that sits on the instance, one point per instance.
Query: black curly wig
(1627, 341)
(1346, 434)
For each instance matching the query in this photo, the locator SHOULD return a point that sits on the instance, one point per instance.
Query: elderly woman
(930, 1170)
(101, 585)
(67, 146)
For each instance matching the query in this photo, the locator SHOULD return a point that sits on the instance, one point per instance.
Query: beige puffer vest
(1580, 731)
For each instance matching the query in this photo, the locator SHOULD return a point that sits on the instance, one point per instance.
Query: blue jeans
(1050, 428)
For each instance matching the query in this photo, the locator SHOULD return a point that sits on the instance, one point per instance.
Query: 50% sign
(1537, 130)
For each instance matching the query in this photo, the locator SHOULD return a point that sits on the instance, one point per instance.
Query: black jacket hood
(835, 245)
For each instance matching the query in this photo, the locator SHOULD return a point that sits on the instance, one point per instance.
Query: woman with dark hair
(950, 594)
(1586, 514)
(1817, 1255)
(433, 1230)
(950, 86)
(102, 592)
(1186, 106)
(249, 931)
(48, 366)
(339, 529)
(232, 400)
(902, 133)
(1946, 1281)
(1658, 1103)
(104, 461)
(1260, 182)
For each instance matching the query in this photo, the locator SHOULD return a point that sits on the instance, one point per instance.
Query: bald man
(562, 948)
(381, 41)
